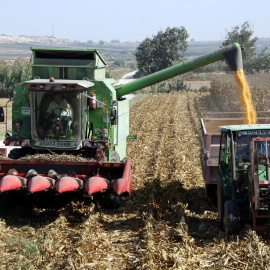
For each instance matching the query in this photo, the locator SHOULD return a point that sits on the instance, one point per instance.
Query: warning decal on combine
(26, 110)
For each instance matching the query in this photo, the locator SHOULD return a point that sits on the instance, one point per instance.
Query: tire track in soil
(171, 165)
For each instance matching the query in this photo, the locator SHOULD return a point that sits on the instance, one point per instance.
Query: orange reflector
(228, 154)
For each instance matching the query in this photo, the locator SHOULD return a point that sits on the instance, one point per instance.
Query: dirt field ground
(166, 223)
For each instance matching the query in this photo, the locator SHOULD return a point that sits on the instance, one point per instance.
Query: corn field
(167, 222)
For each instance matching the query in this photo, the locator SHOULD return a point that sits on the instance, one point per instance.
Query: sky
(124, 20)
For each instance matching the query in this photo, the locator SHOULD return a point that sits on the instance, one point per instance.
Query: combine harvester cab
(70, 108)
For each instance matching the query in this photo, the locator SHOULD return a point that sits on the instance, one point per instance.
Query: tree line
(159, 52)
(167, 48)
(11, 75)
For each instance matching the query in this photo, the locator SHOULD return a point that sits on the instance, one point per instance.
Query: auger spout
(232, 53)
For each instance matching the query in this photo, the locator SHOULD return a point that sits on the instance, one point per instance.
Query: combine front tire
(15, 153)
(231, 217)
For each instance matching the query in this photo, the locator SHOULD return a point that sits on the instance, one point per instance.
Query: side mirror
(2, 115)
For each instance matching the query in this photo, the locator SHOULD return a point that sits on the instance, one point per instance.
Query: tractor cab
(244, 171)
(235, 150)
(58, 112)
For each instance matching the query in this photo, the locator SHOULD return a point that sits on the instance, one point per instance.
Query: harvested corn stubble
(167, 223)
(56, 157)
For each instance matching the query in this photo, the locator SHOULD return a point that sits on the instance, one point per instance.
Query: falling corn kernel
(245, 97)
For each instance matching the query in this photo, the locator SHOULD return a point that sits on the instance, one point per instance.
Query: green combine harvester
(69, 106)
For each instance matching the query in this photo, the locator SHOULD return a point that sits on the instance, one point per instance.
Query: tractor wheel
(115, 157)
(211, 191)
(231, 217)
(220, 203)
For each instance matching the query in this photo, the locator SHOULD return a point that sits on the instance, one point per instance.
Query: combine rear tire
(231, 217)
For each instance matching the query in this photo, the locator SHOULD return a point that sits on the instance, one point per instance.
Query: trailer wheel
(231, 217)
(220, 203)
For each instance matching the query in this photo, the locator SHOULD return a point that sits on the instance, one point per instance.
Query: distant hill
(12, 47)
(202, 47)
(4, 39)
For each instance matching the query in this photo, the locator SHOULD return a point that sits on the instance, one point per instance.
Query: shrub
(11, 75)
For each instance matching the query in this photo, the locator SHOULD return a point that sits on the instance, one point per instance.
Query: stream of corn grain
(245, 96)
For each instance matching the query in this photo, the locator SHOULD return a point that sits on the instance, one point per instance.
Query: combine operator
(59, 109)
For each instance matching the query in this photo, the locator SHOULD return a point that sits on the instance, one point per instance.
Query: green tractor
(244, 184)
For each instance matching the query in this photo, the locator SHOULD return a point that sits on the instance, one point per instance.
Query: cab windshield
(243, 156)
(57, 118)
(242, 143)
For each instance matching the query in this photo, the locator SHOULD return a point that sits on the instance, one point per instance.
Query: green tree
(162, 51)
(11, 75)
(5, 72)
(252, 61)
(119, 62)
